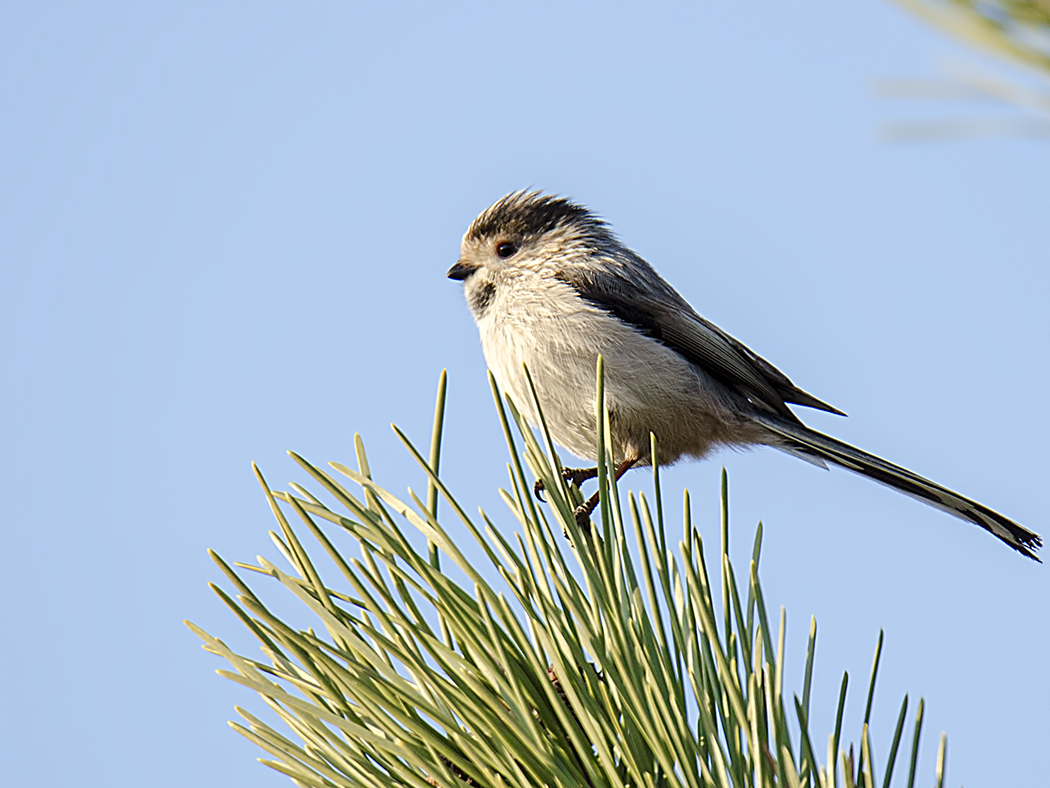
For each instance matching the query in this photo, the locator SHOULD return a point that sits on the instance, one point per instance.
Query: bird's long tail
(800, 440)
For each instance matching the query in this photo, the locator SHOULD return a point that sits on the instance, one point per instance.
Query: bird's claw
(574, 476)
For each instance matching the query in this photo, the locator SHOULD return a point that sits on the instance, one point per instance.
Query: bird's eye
(506, 249)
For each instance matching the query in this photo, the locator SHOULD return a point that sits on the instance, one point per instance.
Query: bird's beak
(461, 270)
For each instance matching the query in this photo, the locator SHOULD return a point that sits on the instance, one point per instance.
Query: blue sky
(224, 229)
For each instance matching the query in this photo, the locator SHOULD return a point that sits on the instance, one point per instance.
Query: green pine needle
(494, 651)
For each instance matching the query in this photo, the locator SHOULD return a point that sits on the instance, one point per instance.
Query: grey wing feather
(658, 311)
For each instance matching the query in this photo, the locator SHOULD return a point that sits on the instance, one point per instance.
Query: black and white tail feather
(811, 445)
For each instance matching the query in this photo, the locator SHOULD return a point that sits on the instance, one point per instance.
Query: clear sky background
(224, 232)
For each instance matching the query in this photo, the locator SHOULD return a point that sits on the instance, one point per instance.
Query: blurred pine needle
(1017, 31)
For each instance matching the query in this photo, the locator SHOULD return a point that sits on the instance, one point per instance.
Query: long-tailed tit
(551, 288)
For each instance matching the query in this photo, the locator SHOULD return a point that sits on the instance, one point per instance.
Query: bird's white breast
(541, 323)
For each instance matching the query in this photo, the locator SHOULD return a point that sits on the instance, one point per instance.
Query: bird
(551, 288)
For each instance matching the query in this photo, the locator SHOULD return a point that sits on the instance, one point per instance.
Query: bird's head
(525, 233)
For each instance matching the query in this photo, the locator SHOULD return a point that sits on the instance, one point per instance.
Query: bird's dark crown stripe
(524, 215)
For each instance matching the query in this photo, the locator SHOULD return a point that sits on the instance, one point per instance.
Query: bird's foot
(574, 476)
(583, 513)
(578, 476)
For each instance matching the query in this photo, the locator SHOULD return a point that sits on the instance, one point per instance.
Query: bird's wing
(660, 313)
(778, 380)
